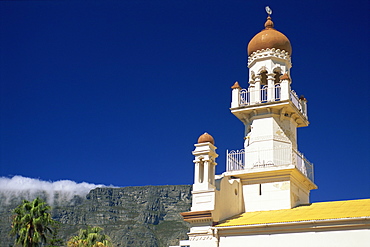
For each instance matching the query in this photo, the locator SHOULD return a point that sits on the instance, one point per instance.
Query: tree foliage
(90, 237)
(31, 223)
(55, 240)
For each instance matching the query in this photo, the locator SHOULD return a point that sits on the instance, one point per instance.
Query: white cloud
(17, 188)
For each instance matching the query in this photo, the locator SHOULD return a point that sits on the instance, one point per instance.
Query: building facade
(263, 198)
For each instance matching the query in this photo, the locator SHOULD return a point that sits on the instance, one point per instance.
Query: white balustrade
(262, 96)
(245, 97)
(294, 98)
(237, 159)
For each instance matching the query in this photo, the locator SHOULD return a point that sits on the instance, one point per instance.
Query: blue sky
(117, 92)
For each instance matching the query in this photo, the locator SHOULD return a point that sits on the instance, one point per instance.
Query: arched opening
(201, 171)
(211, 174)
(277, 72)
(277, 88)
(277, 77)
(263, 78)
(264, 92)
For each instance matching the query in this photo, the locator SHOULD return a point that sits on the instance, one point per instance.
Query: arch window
(201, 171)
(277, 72)
(263, 78)
(277, 92)
(264, 92)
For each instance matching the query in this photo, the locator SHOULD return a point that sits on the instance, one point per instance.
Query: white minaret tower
(269, 173)
(274, 174)
(204, 174)
(215, 198)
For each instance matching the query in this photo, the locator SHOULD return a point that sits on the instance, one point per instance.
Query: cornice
(197, 216)
(268, 53)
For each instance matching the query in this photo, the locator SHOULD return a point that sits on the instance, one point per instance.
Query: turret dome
(269, 38)
(206, 138)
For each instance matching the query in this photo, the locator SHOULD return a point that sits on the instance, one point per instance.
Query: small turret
(204, 160)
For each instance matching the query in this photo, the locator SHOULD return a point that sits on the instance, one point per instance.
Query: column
(257, 89)
(196, 173)
(285, 89)
(235, 95)
(206, 172)
(270, 87)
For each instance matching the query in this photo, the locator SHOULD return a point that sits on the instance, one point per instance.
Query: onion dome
(269, 38)
(206, 138)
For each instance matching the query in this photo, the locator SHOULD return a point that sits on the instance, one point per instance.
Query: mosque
(263, 198)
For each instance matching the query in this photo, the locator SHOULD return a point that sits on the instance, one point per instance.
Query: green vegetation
(131, 216)
(55, 240)
(90, 237)
(31, 223)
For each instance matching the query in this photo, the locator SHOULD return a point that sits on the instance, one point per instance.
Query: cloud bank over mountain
(18, 188)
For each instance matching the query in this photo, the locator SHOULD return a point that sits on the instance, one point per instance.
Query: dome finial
(268, 10)
(269, 38)
(269, 24)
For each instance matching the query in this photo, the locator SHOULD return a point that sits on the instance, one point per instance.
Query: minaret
(215, 198)
(269, 173)
(274, 174)
(204, 173)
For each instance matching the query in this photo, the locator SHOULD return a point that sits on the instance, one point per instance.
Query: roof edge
(297, 226)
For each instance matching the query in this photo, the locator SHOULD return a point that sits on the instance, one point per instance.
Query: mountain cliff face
(131, 216)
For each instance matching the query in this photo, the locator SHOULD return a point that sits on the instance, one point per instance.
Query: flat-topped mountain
(131, 216)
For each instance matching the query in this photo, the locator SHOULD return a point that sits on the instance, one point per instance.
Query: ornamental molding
(268, 53)
(201, 238)
(281, 138)
(197, 216)
(269, 138)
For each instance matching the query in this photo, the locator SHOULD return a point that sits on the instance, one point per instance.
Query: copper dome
(206, 138)
(269, 38)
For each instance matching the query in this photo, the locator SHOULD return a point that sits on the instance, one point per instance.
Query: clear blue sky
(117, 92)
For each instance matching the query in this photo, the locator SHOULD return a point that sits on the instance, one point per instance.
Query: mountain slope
(131, 216)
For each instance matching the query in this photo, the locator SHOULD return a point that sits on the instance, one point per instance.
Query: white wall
(275, 195)
(229, 199)
(358, 238)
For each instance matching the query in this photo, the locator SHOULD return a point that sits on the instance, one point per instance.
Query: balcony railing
(297, 102)
(237, 159)
(253, 97)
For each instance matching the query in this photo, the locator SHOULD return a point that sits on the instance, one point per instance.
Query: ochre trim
(236, 85)
(197, 215)
(285, 77)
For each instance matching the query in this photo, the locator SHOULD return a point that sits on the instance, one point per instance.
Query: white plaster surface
(349, 238)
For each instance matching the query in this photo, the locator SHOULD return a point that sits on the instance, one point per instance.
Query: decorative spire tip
(268, 24)
(268, 10)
